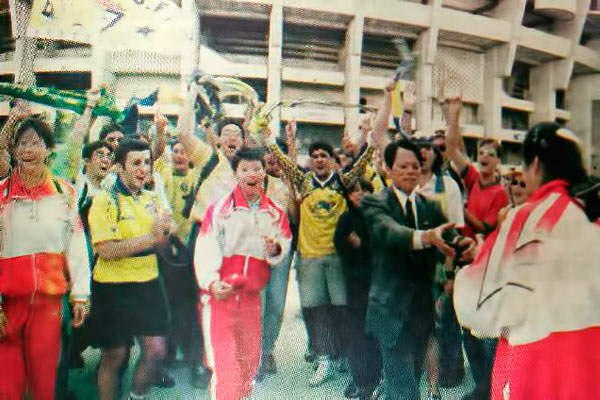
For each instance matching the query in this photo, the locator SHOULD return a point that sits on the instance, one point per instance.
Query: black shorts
(122, 311)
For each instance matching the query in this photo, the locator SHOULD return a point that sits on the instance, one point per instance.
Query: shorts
(321, 281)
(122, 311)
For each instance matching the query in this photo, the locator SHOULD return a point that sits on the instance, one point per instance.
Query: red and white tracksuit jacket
(232, 241)
(43, 255)
(536, 286)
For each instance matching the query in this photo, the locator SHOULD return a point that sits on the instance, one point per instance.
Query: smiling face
(230, 140)
(518, 190)
(488, 160)
(30, 150)
(250, 175)
(405, 171)
(136, 171)
(321, 163)
(99, 163)
(181, 162)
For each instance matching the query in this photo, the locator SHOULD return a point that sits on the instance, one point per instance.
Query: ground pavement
(290, 382)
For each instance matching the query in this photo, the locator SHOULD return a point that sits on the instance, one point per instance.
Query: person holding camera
(406, 229)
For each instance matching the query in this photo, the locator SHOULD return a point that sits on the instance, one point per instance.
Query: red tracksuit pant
(30, 351)
(232, 329)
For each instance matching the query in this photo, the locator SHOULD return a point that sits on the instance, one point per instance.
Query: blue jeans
(273, 300)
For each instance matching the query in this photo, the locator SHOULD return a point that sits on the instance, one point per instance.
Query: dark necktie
(410, 216)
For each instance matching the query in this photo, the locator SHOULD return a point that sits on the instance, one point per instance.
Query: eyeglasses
(515, 182)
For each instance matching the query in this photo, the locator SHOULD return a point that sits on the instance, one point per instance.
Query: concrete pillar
(424, 85)
(189, 56)
(25, 46)
(274, 63)
(353, 52)
(543, 94)
(492, 93)
(582, 92)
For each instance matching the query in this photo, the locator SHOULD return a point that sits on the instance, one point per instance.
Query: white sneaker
(323, 373)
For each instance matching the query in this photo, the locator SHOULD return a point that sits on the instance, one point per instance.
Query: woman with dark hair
(535, 283)
(351, 241)
(43, 256)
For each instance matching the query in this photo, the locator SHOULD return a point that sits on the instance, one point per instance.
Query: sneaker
(323, 373)
(200, 377)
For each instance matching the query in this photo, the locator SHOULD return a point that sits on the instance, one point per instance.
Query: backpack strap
(206, 171)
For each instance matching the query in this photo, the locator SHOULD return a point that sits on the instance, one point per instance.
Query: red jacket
(231, 241)
(42, 243)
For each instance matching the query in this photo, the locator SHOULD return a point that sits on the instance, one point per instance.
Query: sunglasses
(441, 147)
(515, 182)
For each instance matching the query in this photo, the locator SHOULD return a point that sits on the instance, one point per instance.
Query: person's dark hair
(141, 136)
(247, 154)
(438, 161)
(494, 143)
(128, 145)
(106, 129)
(43, 130)
(389, 154)
(437, 135)
(91, 147)
(282, 145)
(321, 145)
(559, 155)
(226, 122)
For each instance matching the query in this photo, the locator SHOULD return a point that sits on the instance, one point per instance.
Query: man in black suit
(406, 232)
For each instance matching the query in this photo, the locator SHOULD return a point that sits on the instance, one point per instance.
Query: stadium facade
(517, 62)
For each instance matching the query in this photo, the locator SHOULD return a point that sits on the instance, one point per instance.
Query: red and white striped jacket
(42, 243)
(232, 240)
(536, 274)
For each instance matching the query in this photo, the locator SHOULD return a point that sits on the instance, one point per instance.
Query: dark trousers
(184, 330)
(364, 355)
(480, 353)
(403, 364)
(449, 335)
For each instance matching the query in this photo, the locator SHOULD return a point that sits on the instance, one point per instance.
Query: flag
(73, 20)
(148, 25)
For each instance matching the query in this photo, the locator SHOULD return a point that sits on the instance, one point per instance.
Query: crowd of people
(406, 251)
